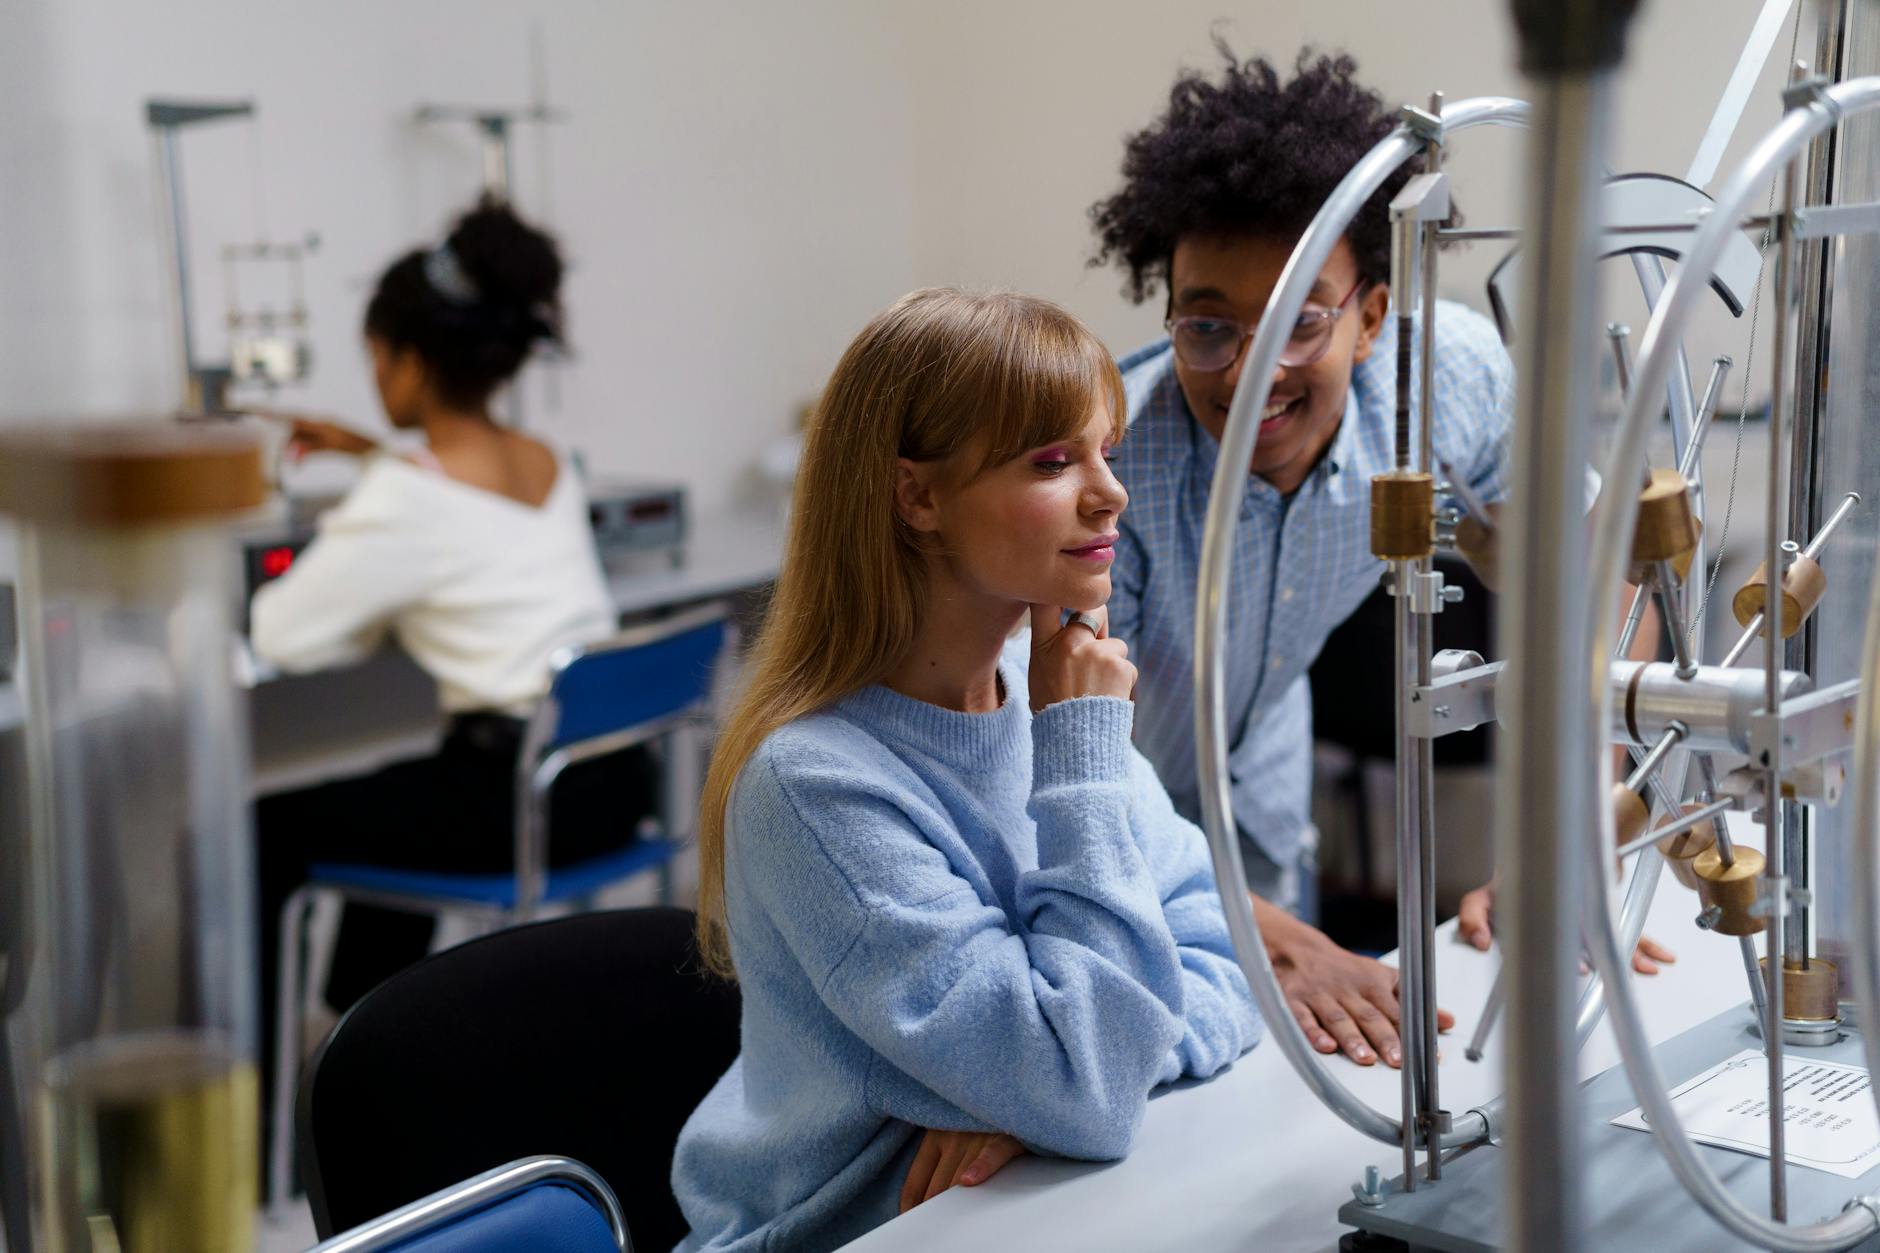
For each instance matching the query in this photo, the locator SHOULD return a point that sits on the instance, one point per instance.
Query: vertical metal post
(168, 163)
(1424, 642)
(1406, 249)
(496, 169)
(1544, 778)
(1409, 866)
(1775, 881)
(1806, 470)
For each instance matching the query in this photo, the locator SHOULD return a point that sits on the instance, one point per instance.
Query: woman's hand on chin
(1074, 660)
(946, 1158)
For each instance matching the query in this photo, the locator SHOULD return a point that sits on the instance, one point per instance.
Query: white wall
(1021, 109)
(732, 188)
(741, 182)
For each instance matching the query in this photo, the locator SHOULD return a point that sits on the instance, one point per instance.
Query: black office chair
(591, 1037)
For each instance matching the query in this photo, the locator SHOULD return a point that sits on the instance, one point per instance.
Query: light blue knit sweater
(963, 921)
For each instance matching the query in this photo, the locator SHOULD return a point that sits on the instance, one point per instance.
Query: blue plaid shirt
(1302, 563)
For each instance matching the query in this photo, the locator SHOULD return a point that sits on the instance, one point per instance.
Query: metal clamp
(1428, 593)
(1812, 90)
(1422, 123)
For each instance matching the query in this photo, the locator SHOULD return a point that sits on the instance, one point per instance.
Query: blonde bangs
(1042, 387)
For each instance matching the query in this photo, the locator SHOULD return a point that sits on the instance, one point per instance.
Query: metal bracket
(1424, 198)
(1806, 728)
(1811, 90)
(1459, 701)
(1825, 221)
(1422, 123)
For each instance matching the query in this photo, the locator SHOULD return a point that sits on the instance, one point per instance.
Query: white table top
(1251, 1160)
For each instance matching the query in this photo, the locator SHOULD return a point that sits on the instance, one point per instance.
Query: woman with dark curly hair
(1215, 194)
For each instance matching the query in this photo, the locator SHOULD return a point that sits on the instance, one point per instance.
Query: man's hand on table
(1343, 1002)
(946, 1158)
(1475, 925)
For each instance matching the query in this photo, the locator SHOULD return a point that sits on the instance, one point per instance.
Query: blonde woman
(955, 897)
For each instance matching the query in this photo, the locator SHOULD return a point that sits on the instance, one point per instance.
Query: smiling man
(1216, 193)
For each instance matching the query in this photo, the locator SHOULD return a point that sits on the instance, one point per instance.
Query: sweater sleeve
(1052, 1023)
(1219, 1019)
(335, 604)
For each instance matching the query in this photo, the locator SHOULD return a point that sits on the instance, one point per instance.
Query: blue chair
(544, 1204)
(645, 683)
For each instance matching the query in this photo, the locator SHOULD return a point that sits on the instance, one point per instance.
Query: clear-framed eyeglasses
(1210, 344)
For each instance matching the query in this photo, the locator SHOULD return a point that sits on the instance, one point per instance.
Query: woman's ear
(1371, 310)
(914, 494)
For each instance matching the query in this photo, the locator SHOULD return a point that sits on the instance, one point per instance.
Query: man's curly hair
(1247, 154)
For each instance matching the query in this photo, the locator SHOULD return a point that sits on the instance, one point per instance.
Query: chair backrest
(644, 676)
(592, 1036)
(544, 1204)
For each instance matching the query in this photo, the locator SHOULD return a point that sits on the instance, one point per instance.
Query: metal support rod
(1425, 758)
(1696, 818)
(1491, 1010)
(1700, 427)
(1667, 580)
(1634, 616)
(1424, 642)
(1542, 781)
(1617, 333)
(1815, 545)
(1409, 861)
(1655, 757)
(1775, 879)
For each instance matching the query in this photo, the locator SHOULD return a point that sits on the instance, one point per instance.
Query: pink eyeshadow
(1051, 454)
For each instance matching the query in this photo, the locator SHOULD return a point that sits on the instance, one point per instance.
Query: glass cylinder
(142, 991)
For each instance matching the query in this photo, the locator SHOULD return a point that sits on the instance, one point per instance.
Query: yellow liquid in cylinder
(152, 1146)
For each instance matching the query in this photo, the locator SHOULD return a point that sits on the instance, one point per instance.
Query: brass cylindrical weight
(1481, 548)
(1732, 888)
(1810, 993)
(1667, 527)
(1802, 586)
(1682, 849)
(1403, 512)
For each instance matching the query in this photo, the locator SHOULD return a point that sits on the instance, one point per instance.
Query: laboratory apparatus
(139, 999)
(1770, 730)
(268, 345)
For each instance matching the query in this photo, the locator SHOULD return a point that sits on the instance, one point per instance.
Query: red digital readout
(275, 561)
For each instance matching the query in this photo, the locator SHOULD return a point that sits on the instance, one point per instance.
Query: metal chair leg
(289, 1003)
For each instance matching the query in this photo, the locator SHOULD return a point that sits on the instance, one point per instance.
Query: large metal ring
(1088, 620)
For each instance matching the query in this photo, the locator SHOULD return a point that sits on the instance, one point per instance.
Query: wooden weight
(1403, 515)
(1732, 888)
(1802, 586)
(1810, 993)
(1682, 849)
(1667, 528)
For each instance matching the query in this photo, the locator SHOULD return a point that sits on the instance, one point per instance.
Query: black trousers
(452, 811)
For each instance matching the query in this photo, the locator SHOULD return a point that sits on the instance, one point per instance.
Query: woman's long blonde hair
(941, 373)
